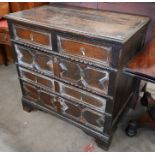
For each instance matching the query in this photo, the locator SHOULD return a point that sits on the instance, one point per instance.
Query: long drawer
(81, 75)
(69, 109)
(69, 92)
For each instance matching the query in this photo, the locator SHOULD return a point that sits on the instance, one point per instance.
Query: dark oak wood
(143, 64)
(100, 24)
(78, 76)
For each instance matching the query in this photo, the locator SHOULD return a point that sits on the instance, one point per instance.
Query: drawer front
(83, 75)
(33, 36)
(38, 96)
(36, 79)
(97, 54)
(82, 114)
(83, 97)
(34, 60)
(74, 111)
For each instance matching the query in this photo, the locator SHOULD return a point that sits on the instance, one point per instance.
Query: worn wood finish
(85, 50)
(100, 24)
(16, 6)
(83, 90)
(33, 36)
(143, 63)
(4, 8)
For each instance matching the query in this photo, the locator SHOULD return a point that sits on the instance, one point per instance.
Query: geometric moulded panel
(34, 59)
(83, 97)
(84, 76)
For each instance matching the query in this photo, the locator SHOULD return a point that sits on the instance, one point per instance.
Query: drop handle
(50, 65)
(83, 51)
(31, 36)
(83, 81)
(104, 79)
(63, 67)
(64, 106)
(50, 62)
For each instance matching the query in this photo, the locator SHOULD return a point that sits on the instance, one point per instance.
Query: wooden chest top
(93, 23)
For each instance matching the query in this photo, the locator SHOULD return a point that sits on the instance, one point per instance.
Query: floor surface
(39, 131)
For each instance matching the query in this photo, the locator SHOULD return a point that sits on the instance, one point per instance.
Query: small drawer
(34, 59)
(90, 52)
(36, 78)
(84, 115)
(41, 97)
(83, 75)
(33, 36)
(83, 97)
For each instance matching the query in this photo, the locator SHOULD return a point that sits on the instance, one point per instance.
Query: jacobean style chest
(69, 62)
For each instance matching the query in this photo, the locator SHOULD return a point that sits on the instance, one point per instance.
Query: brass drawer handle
(104, 79)
(50, 62)
(31, 36)
(64, 106)
(82, 50)
(63, 67)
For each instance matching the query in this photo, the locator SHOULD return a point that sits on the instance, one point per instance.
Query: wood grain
(94, 23)
(144, 62)
(88, 51)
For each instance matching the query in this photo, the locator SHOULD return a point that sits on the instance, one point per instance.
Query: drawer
(84, 115)
(33, 36)
(74, 111)
(82, 75)
(36, 78)
(39, 96)
(90, 52)
(87, 99)
(34, 59)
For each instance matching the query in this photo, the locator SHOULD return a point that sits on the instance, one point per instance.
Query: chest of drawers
(70, 60)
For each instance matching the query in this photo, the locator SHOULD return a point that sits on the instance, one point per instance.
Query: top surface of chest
(100, 24)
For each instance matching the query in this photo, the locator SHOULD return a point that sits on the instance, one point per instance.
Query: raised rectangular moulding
(83, 75)
(34, 59)
(30, 92)
(36, 79)
(33, 36)
(82, 114)
(82, 97)
(87, 51)
(41, 97)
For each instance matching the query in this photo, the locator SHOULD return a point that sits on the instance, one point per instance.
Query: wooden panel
(93, 5)
(33, 36)
(4, 8)
(18, 6)
(36, 79)
(83, 115)
(84, 76)
(82, 97)
(30, 92)
(147, 9)
(143, 64)
(5, 38)
(98, 54)
(34, 60)
(101, 24)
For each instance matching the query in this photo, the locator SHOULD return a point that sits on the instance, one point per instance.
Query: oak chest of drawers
(70, 60)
